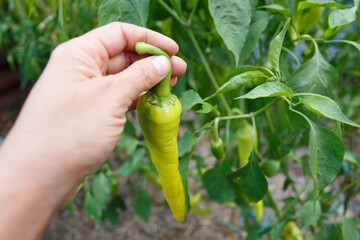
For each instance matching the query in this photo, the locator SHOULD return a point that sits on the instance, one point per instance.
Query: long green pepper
(159, 116)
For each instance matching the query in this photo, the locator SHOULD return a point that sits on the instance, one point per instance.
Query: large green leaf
(250, 77)
(307, 214)
(275, 47)
(326, 107)
(189, 99)
(315, 76)
(232, 20)
(258, 24)
(269, 89)
(319, 3)
(250, 180)
(214, 181)
(130, 11)
(326, 156)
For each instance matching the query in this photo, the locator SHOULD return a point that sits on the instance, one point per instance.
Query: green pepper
(217, 146)
(245, 137)
(259, 208)
(159, 116)
(292, 231)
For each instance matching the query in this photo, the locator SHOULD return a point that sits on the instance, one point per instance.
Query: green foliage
(291, 65)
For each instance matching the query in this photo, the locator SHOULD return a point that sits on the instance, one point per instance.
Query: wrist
(32, 187)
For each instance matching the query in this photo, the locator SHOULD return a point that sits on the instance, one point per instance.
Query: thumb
(142, 75)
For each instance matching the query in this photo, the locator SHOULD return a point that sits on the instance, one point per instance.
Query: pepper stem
(162, 89)
(215, 129)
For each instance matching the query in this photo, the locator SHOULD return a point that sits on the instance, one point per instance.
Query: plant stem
(207, 68)
(249, 115)
(344, 189)
(162, 89)
(272, 200)
(172, 12)
(193, 12)
(198, 50)
(216, 127)
(292, 55)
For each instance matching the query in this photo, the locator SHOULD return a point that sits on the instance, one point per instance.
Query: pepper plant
(274, 83)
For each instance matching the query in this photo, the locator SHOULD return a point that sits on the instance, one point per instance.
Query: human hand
(75, 113)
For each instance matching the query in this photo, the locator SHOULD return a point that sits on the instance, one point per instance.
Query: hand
(75, 113)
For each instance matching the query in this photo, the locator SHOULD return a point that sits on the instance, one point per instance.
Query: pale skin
(72, 120)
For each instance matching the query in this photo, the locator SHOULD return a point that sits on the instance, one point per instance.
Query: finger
(179, 66)
(141, 76)
(122, 61)
(125, 59)
(173, 81)
(117, 37)
(134, 103)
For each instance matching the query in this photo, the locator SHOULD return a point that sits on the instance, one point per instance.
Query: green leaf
(254, 77)
(349, 228)
(276, 8)
(189, 99)
(130, 145)
(208, 108)
(232, 20)
(184, 173)
(214, 181)
(30, 4)
(186, 143)
(351, 158)
(62, 21)
(130, 11)
(315, 76)
(129, 128)
(101, 188)
(275, 47)
(131, 163)
(70, 206)
(307, 215)
(328, 232)
(355, 44)
(326, 156)
(142, 205)
(250, 179)
(276, 230)
(326, 107)
(259, 21)
(269, 89)
(341, 17)
(111, 214)
(92, 206)
(319, 3)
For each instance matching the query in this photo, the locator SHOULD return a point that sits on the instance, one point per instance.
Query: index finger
(117, 37)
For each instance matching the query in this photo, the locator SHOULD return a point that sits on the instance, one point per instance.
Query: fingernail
(162, 65)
